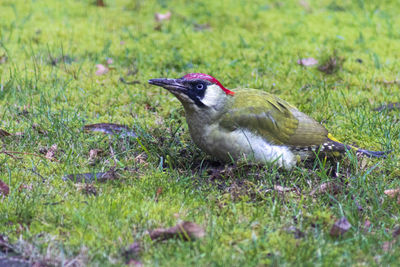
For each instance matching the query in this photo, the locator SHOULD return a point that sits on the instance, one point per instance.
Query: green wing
(273, 119)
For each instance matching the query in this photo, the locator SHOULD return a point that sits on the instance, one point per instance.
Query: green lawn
(49, 90)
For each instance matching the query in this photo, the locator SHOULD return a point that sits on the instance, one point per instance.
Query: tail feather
(373, 154)
(340, 147)
(333, 147)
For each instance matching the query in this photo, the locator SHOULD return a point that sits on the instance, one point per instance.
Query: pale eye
(200, 86)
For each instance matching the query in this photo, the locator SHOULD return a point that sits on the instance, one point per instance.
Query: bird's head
(196, 91)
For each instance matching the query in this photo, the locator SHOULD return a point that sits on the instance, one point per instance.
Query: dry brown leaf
(4, 189)
(282, 189)
(340, 227)
(388, 245)
(87, 189)
(307, 62)
(332, 64)
(396, 232)
(101, 69)
(109, 61)
(51, 153)
(158, 193)
(3, 59)
(94, 154)
(328, 187)
(100, 3)
(389, 82)
(132, 253)
(141, 158)
(366, 226)
(393, 193)
(297, 233)
(161, 17)
(23, 187)
(185, 230)
(305, 5)
(135, 263)
(38, 129)
(4, 133)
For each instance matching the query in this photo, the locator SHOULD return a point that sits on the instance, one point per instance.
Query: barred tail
(373, 154)
(339, 146)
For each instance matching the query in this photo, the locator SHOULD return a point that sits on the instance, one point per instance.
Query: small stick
(12, 156)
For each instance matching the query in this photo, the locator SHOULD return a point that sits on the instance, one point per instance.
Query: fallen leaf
(93, 155)
(132, 253)
(340, 227)
(282, 189)
(110, 128)
(366, 226)
(158, 193)
(100, 3)
(331, 65)
(4, 133)
(4, 189)
(389, 106)
(305, 5)
(141, 158)
(393, 193)
(38, 129)
(295, 231)
(109, 61)
(23, 187)
(135, 263)
(161, 17)
(101, 69)
(388, 245)
(91, 177)
(307, 62)
(3, 59)
(51, 153)
(328, 187)
(396, 232)
(389, 82)
(87, 189)
(185, 230)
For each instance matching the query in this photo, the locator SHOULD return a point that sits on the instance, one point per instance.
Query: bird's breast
(227, 145)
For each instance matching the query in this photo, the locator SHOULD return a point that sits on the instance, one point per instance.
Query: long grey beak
(169, 84)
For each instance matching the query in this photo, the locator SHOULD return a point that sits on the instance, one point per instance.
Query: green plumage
(272, 118)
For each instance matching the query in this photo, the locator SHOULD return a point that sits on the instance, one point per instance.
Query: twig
(112, 153)
(12, 156)
(33, 170)
(126, 82)
(26, 153)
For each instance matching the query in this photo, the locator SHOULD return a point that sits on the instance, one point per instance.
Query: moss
(49, 82)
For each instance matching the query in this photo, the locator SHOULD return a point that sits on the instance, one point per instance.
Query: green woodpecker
(250, 123)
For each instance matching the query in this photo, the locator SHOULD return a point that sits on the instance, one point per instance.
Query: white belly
(264, 152)
(239, 143)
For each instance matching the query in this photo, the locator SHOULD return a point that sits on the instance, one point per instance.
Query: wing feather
(273, 119)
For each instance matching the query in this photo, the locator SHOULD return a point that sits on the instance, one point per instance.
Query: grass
(49, 91)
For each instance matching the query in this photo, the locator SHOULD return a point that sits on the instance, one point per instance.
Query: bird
(251, 124)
